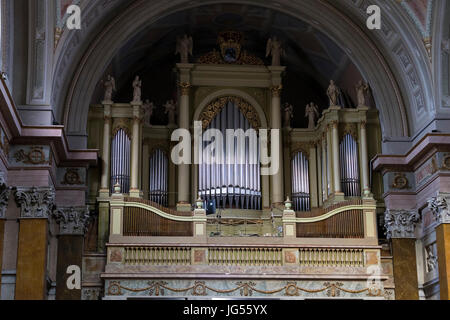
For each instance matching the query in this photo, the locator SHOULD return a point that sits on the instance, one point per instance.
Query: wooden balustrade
(245, 256)
(157, 256)
(324, 257)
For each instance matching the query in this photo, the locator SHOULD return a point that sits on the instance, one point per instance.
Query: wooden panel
(32, 259)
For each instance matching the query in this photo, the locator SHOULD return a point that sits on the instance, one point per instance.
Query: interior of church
(288, 150)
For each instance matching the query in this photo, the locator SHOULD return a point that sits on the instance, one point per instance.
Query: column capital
(185, 88)
(363, 124)
(276, 90)
(35, 203)
(440, 207)
(5, 192)
(72, 220)
(401, 223)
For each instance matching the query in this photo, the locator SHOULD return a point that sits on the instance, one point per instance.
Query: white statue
(170, 110)
(311, 112)
(148, 108)
(361, 89)
(185, 46)
(110, 86)
(333, 93)
(288, 114)
(275, 49)
(137, 91)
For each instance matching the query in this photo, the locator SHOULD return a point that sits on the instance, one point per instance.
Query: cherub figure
(312, 113)
(288, 114)
(185, 46)
(333, 93)
(361, 89)
(110, 86)
(148, 108)
(275, 49)
(170, 110)
(137, 91)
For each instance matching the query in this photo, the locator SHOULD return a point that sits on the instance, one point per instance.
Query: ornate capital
(276, 90)
(72, 220)
(334, 124)
(363, 124)
(35, 202)
(440, 207)
(400, 223)
(5, 191)
(185, 87)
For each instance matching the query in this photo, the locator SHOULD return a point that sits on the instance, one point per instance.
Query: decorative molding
(124, 124)
(440, 207)
(213, 109)
(5, 192)
(401, 223)
(72, 220)
(185, 88)
(72, 177)
(431, 259)
(35, 202)
(276, 90)
(351, 129)
(36, 155)
(400, 182)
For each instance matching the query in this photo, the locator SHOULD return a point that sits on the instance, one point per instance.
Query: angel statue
(275, 49)
(185, 45)
(333, 93)
(110, 86)
(288, 114)
(361, 89)
(170, 110)
(148, 108)
(137, 84)
(311, 112)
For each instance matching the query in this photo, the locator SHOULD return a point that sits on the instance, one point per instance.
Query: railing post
(199, 223)
(117, 206)
(289, 224)
(370, 222)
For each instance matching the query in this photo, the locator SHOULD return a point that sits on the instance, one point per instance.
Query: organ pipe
(350, 180)
(233, 182)
(159, 177)
(300, 182)
(120, 161)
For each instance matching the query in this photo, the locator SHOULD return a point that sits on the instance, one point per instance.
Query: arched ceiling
(312, 58)
(394, 62)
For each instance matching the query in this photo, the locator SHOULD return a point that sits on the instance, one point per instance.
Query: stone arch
(374, 58)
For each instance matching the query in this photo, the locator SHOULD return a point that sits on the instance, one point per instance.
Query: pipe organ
(231, 179)
(300, 182)
(120, 161)
(350, 167)
(158, 179)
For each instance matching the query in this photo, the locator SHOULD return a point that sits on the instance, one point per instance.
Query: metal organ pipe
(350, 167)
(158, 177)
(300, 182)
(120, 161)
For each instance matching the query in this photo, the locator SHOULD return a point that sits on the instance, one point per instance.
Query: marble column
(4, 198)
(364, 159)
(36, 205)
(336, 167)
(319, 172)
(183, 169)
(72, 227)
(313, 175)
(440, 207)
(135, 192)
(277, 179)
(400, 226)
(324, 177)
(106, 150)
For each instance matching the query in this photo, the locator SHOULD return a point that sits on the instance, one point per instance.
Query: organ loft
(188, 150)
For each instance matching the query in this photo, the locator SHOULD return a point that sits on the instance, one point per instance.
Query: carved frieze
(401, 223)
(72, 220)
(400, 181)
(440, 207)
(32, 155)
(35, 202)
(213, 109)
(72, 176)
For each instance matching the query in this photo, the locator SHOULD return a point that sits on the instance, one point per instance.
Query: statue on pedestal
(148, 108)
(170, 109)
(333, 94)
(312, 112)
(110, 86)
(288, 114)
(185, 46)
(137, 84)
(361, 89)
(275, 49)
